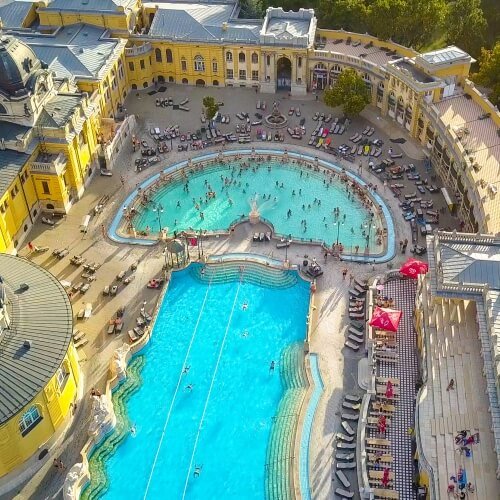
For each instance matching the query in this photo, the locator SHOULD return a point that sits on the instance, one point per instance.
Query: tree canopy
(350, 92)
(466, 25)
(489, 72)
(211, 106)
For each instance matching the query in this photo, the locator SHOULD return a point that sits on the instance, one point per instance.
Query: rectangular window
(255, 76)
(229, 74)
(184, 65)
(13, 193)
(45, 187)
(243, 74)
(214, 66)
(29, 420)
(131, 65)
(62, 376)
(141, 62)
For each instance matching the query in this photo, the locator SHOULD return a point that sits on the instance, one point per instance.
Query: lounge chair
(343, 479)
(120, 275)
(349, 416)
(354, 331)
(352, 345)
(344, 493)
(255, 237)
(352, 399)
(111, 327)
(133, 336)
(344, 456)
(356, 339)
(105, 290)
(348, 428)
(48, 222)
(81, 343)
(346, 446)
(85, 288)
(346, 465)
(343, 437)
(81, 314)
(88, 310)
(114, 290)
(351, 406)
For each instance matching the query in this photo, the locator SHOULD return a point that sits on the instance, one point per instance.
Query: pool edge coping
(389, 252)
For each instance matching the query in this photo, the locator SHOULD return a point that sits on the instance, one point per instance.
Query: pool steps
(254, 273)
(279, 458)
(99, 480)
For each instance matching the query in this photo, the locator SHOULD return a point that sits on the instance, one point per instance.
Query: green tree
(489, 72)
(347, 14)
(466, 25)
(350, 92)
(385, 18)
(211, 106)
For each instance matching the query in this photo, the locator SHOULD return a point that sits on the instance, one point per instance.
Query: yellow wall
(54, 406)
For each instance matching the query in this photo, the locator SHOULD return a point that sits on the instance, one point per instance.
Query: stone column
(298, 88)
(268, 86)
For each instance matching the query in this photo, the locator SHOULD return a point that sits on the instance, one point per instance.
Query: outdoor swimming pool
(297, 201)
(226, 331)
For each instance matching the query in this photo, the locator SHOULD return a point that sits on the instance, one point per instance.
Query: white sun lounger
(88, 310)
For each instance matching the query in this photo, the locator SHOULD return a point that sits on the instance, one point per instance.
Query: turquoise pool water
(277, 188)
(223, 424)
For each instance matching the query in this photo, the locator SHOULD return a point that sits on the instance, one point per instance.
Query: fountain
(276, 119)
(254, 216)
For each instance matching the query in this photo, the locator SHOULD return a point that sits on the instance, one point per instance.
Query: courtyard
(338, 365)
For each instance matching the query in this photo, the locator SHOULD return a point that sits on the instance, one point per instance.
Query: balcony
(51, 164)
(137, 50)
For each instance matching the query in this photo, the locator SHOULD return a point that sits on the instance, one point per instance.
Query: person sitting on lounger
(197, 470)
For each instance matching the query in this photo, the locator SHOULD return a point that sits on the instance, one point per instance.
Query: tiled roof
(479, 136)
(41, 314)
(76, 50)
(90, 5)
(11, 162)
(14, 13)
(201, 22)
(374, 54)
(58, 111)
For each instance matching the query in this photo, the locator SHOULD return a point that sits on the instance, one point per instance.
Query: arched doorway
(200, 82)
(185, 81)
(215, 83)
(284, 74)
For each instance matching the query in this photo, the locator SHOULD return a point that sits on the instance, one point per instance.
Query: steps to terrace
(280, 448)
(99, 481)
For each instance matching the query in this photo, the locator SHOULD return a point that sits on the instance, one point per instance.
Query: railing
(111, 149)
(138, 50)
(56, 166)
(350, 59)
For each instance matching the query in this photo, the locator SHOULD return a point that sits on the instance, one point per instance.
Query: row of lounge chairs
(262, 236)
(345, 445)
(356, 329)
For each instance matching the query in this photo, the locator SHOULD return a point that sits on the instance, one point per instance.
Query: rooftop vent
(27, 344)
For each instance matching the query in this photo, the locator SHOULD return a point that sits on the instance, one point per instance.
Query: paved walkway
(339, 369)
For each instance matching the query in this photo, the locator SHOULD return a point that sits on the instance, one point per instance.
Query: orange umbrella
(386, 319)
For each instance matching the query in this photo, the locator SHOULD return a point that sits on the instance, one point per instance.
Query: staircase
(249, 272)
(98, 479)
(280, 448)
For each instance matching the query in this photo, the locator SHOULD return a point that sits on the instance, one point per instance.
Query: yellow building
(38, 367)
(51, 127)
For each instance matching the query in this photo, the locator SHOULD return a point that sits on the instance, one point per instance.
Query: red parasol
(386, 319)
(413, 267)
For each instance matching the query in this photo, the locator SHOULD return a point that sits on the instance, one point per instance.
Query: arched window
(299, 62)
(229, 56)
(3, 111)
(215, 66)
(29, 420)
(169, 56)
(381, 85)
(320, 66)
(255, 58)
(215, 83)
(185, 81)
(183, 64)
(158, 55)
(199, 63)
(268, 60)
(241, 57)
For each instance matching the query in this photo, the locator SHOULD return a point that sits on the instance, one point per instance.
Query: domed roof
(17, 63)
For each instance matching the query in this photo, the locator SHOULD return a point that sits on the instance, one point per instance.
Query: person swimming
(186, 369)
(271, 366)
(197, 470)
(244, 306)
(132, 429)
(245, 334)
(189, 387)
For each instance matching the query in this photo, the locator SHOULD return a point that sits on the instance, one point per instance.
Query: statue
(254, 216)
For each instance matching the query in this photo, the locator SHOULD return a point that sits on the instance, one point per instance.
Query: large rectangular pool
(202, 417)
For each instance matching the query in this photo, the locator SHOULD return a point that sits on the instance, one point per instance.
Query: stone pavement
(339, 369)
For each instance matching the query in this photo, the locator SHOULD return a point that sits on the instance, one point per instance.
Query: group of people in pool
(238, 166)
